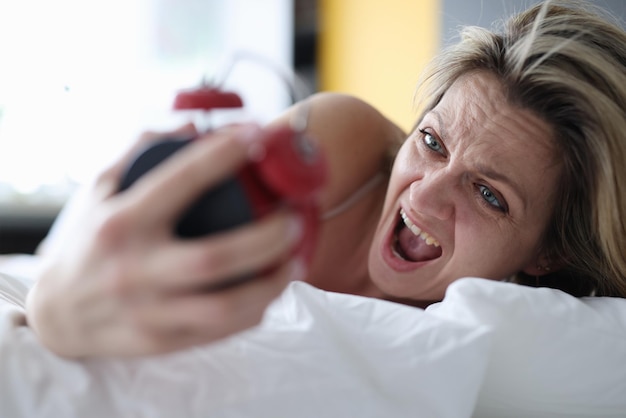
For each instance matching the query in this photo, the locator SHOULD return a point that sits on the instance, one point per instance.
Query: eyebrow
(442, 129)
(501, 177)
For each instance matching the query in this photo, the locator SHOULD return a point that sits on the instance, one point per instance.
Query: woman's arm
(359, 143)
(117, 282)
(121, 283)
(357, 139)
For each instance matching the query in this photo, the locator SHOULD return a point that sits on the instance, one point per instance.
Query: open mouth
(410, 243)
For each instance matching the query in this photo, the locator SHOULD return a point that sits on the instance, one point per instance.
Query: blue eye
(489, 197)
(431, 142)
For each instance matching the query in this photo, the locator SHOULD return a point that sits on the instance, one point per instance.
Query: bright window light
(80, 79)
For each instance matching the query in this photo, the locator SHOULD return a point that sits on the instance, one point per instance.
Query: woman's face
(471, 193)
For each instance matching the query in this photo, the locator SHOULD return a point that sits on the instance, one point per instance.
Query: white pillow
(316, 354)
(553, 355)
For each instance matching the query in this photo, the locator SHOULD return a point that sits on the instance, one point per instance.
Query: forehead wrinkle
(443, 131)
(479, 115)
(468, 113)
(485, 106)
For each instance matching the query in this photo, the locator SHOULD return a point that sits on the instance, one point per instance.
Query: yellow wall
(375, 50)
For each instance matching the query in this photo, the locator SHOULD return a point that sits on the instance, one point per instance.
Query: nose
(433, 195)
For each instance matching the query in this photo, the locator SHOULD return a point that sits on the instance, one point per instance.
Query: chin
(395, 273)
(418, 284)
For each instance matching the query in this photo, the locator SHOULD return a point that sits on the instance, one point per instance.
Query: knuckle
(213, 262)
(103, 178)
(287, 227)
(119, 285)
(147, 331)
(123, 284)
(113, 226)
(148, 136)
(218, 309)
(254, 320)
(151, 344)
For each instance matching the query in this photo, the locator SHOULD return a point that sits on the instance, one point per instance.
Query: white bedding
(489, 349)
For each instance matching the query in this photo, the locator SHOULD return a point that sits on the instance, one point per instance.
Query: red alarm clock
(289, 172)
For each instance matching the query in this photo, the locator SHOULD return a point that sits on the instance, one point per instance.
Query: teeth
(417, 231)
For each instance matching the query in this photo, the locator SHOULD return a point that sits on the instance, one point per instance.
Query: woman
(513, 172)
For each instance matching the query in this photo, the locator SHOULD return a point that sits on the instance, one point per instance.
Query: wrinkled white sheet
(489, 349)
(316, 354)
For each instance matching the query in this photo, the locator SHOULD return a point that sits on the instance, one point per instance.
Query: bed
(489, 349)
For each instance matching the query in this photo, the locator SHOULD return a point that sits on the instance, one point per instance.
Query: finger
(114, 172)
(202, 263)
(162, 194)
(193, 319)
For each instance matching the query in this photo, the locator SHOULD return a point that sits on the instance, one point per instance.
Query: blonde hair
(566, 62)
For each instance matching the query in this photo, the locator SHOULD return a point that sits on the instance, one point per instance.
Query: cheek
(492, 251)
(406, 166)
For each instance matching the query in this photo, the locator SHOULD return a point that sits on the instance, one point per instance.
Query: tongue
(414, 248)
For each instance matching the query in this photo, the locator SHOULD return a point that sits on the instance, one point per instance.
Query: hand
(120, 283)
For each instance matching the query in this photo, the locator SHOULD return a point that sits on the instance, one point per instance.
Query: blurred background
(80, 79)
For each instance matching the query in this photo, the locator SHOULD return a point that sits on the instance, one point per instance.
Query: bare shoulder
(342, 118)
(355, 137)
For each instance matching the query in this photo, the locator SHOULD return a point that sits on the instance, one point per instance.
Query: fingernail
(295, 228)
(297, 270)
(186, 131)
(248, 133)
